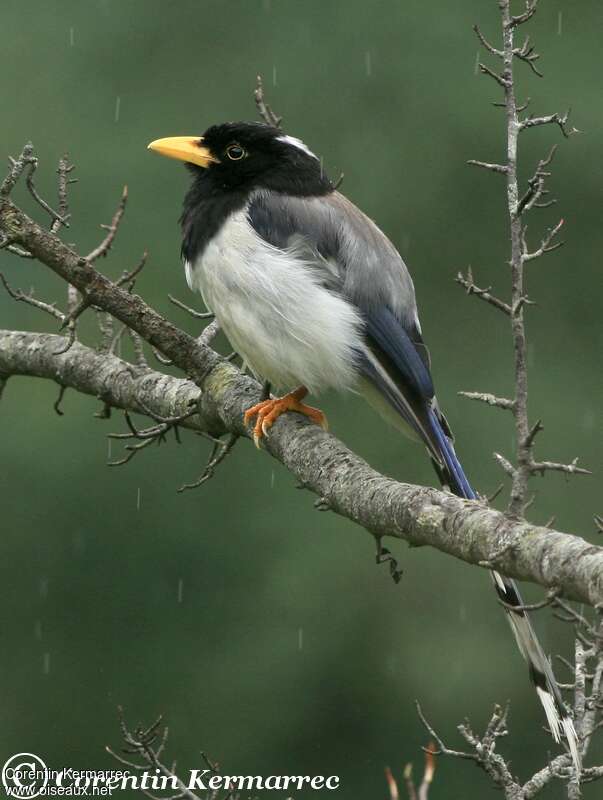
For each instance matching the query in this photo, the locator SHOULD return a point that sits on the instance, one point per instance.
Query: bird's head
(243, 156)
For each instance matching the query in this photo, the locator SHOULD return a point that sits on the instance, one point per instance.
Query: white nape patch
(295, 142)
(278, 316)
(551, 713)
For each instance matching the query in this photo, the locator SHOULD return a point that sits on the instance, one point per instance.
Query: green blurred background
(261, 628)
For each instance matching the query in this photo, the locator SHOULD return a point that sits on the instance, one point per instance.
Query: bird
(314, 297)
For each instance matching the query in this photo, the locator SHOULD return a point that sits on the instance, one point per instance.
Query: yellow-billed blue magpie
(313, 296)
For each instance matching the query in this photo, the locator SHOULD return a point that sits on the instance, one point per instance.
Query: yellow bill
(184, 148)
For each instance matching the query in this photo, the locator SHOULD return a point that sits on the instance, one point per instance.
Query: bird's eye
(235, 152)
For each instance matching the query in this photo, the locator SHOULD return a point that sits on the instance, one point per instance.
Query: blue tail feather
(459, 483)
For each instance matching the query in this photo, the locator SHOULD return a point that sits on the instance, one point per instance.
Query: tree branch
(420, 515)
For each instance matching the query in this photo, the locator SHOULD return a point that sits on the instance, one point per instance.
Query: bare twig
(104, 247)
(550, 119)
(128, 278)
(264, 110)
(147, 745)
(218, 453)
(63, 171)
(19, 295)
(484, 294)
(490, 399)
(546, 245)
(17, 167)
(501, 168)
(536, 184)
(189, 310)
(553, 466)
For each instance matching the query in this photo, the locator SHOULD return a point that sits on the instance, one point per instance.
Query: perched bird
(313, 296)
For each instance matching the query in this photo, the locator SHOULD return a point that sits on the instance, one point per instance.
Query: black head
(229, 162)
(243, 156)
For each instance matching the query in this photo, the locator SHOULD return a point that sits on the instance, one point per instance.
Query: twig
(536, 184)
(218, 453)
(129, 277)
(189, 310)
(392, 785)
(483, 294)
(148, 745)
(29, 180)
(550, 599)
(63, 171)
(490, 399)
(57, 403)
(104, 247)
(17, 167)
(527, 54)
(550, 119)
(264, 110)
(139, 356)
(19, 295)
(501, 168)
(502, 81)
(553, 466)
(490, 48)
(546, 245)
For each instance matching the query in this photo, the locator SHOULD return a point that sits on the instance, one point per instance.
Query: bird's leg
(268, 411)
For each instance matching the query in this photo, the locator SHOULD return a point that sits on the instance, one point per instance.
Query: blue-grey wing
(357, 260)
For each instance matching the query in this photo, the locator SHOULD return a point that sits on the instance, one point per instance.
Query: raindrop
(367, 63)
(300, 639)
(321, 168)
(267, 5)
(109, 449)
(476, 65)
(46, 664)
(138, 498)
(38, 629)
(117, 107)
(463, 613)
(274, 75)
(560, 23)
(71, 36)
(44, 588)
(78, 542)
(180, 589)
(272, 480)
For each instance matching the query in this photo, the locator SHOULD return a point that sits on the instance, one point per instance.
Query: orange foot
(268, 411)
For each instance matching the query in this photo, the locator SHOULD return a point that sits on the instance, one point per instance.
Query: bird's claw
(268, 411)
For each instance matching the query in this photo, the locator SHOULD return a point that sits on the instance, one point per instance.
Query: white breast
(288, 328)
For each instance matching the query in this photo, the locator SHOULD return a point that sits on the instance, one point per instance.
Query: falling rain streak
(38, 630)
(476, 65)
(560, 23)
(117, 107)
(46, 663)
(138, 498)
(44, 588)
(274, 76)
(300, 639)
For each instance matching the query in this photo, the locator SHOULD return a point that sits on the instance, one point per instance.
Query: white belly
(269, 302)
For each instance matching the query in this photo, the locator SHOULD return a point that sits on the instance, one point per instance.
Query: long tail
(541, 673)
